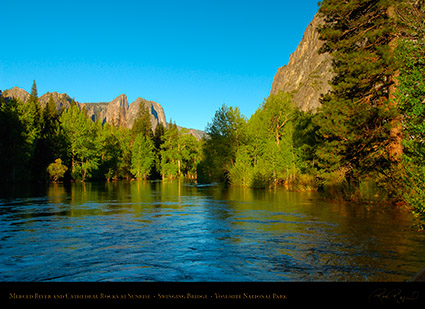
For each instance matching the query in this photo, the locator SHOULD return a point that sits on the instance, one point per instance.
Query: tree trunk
(396, 132)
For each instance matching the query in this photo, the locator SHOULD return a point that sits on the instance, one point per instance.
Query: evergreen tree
(170, 155)
(13, 143)
(357, 120)
(51, 144)
(31, 117)
(411, 102)
(158, 140)
(142, 123)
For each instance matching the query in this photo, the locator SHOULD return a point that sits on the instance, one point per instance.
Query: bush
(56, 170)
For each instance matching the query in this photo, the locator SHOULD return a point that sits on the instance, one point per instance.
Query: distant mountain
(118, 112)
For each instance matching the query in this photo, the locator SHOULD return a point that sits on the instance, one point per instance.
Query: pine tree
(170, 155)
(13, 143)
(49, 146)
(158, 140)
(31, 117)
(358, 120)
(411, 102)
(142, 123)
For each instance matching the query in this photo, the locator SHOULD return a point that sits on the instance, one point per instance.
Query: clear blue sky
(189, 56)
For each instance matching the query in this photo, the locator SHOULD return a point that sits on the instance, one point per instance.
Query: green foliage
(108, 150)
(125, 141)
(32, 138)
(143, 156)
(57, 170)
(80, 133)
(411, 98)
(14, 148)
(158, 140)
(170, 156)
(180, 153)
(226, 134)
(357, 116)
(142, 123)
(268, 155)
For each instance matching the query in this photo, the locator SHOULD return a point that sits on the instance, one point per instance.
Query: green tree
(411, 98)
(359, 134)
(170, 157)
(108, 150)
(51, 143)
(80, 132)
(13, 142)
(267, 156)
(142, 123)
(188, 148)
(125, 140)
(31, 117)
(143, 156)
(226, 134)
(158, 140)
(57, 170)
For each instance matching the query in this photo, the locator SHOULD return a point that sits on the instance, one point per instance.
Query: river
(175, 231)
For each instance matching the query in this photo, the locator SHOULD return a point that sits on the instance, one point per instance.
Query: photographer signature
(383, 295)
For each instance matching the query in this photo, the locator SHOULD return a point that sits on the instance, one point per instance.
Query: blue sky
(189, 56)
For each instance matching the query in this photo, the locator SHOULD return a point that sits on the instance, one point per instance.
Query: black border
(17, 294)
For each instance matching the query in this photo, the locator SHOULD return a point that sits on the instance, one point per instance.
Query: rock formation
(307, 73)
(121, 114)
(16, 93)
(117, 112)
(62, 100)
(156, 111)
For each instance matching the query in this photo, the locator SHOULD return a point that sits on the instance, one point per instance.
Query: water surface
(175, 231)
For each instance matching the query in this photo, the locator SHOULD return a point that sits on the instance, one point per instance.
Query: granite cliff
(118, 112)
(122, 114)
(307, 73)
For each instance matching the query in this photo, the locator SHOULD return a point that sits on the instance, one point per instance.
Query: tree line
(42, 144)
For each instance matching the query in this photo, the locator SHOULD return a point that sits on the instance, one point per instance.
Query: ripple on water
(202, 234)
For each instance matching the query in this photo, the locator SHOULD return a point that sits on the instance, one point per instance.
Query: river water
(174, 231)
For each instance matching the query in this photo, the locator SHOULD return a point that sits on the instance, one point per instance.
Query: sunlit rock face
(118, 112)
(307, 73)
(155, 109)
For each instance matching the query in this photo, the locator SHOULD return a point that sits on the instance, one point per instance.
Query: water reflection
(176, 231)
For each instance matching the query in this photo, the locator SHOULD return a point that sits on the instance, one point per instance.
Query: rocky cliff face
(307, 73)
(121, 114)
(116, 111)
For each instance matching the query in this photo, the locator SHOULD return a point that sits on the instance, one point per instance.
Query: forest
(366, 143)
